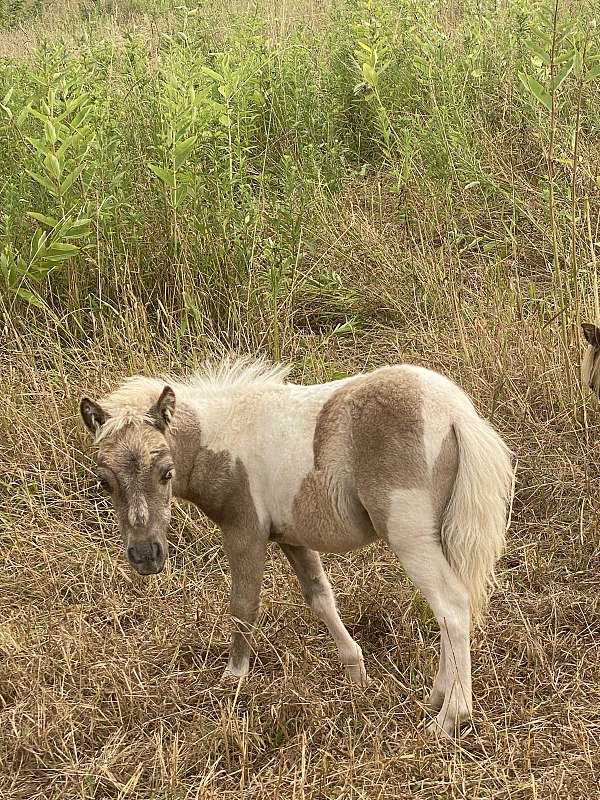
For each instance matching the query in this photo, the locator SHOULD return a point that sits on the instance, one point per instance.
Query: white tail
(474, 526)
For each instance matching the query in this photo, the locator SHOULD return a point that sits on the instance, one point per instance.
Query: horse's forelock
(118, 423)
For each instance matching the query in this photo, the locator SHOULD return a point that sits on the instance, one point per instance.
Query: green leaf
(539, 52)
(73, 140)
(52, 164)
(62, 249)
(7, 96)
(31, 298)
(77, 229)
(22, 116)
(37, 143)
(560, 59)
(75, 102)
(562, 74)
(38, 243)
(38, 115)
(50, 131)
(536, 89)
(219, 108)
(350, 326)
(165, 175)
(181, 192)
(81, 117)
(593, 73)
(212, 74)
(370, 74)
(182, 150)
(542, 35)
(37, 271)
(51, 222)
(43, 181)
(71, 178)
(8, 266)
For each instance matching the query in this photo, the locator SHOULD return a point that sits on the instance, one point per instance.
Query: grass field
(337, 185)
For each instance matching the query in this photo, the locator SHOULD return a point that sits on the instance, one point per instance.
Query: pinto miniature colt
(399, 454)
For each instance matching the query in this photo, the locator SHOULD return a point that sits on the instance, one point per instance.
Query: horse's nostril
(145, 553)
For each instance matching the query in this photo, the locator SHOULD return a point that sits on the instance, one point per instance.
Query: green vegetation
(335, 185)
(193, 173)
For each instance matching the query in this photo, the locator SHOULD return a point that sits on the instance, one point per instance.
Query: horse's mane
(238, 373)
(129, 403)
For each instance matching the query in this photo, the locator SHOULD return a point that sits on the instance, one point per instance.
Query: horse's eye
(104, 484)
(167, 475)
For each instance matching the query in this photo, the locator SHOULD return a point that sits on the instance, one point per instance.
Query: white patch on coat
(410, 517)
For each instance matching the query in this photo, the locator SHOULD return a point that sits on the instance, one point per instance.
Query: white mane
(233, 374)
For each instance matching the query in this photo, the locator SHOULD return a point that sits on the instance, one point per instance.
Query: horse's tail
(474, 523)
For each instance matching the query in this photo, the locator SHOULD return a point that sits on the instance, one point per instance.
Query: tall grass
(336, 185)
(191, 175)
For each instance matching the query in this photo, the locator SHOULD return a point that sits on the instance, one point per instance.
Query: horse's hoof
(228, 678)
(434, 702)
(357, 673)
(437, 731)
(444, 726)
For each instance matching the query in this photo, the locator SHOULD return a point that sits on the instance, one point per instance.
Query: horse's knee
(314, 591)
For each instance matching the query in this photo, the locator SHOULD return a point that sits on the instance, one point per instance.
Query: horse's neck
(185, 440)
(205, 459)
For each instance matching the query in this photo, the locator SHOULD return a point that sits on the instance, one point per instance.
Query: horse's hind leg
(413, 536)
(438, 691)
(318, 593)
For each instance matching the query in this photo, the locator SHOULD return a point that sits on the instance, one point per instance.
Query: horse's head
(136, 467)
(590, 367)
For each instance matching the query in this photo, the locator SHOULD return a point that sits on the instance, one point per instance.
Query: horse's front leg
(246, 554)
(318, 594)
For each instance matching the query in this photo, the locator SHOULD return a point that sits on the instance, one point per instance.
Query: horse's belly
(317, 524)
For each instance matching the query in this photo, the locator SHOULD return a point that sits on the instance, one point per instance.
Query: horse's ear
(591, 333)
(93, 415)
(164, 408)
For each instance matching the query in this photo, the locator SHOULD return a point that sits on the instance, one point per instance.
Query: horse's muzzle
(147, 558)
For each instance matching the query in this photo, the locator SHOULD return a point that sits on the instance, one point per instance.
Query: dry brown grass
(109, 683)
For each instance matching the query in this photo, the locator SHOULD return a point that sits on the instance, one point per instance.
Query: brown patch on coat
(327, 515)
(368, 441)
(388, 440)
(323, 521)
(210, 479)
(372, 430)
(222, 491)
(444, 475)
